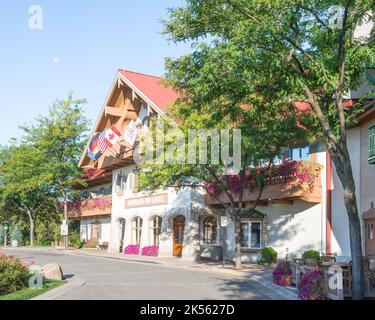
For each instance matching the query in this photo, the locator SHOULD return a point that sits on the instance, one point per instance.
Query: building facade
(291, 216)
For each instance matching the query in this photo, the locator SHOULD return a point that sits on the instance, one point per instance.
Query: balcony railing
(295, 180)
(100, 206)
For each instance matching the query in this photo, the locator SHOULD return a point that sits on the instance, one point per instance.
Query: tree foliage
(288, 50)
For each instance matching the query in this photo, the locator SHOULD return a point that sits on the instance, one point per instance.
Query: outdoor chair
(367, 274)
(328, 259)
(311, 262)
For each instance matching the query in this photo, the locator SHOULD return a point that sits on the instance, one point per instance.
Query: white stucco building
(291, 216)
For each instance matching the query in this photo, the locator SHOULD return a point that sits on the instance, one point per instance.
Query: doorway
(178, 235)
(96, 231)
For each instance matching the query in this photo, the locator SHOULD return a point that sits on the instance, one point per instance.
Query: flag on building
(98, 146)
(131, 133)
(112, 135)
(102, 142)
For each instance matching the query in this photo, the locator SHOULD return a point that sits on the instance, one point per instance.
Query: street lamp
(5, 224)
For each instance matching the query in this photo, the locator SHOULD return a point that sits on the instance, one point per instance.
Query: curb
(110, 257)
(56, 293)
(287, 293)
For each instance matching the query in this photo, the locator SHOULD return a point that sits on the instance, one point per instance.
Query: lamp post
(6, 232)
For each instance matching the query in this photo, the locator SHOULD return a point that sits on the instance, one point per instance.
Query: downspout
(328, 203)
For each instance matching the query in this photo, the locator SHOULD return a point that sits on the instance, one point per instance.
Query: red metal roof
(152, 87)
(305, 106)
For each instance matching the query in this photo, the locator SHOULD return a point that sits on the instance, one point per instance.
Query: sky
(80, 46)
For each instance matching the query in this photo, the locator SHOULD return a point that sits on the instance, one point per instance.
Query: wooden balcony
(276, 190)
(100, 207)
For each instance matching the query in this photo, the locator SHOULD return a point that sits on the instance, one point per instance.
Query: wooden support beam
(113, 111)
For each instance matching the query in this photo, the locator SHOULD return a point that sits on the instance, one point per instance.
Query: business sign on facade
(146, 201)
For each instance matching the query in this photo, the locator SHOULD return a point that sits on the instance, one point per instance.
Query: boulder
(52, 271)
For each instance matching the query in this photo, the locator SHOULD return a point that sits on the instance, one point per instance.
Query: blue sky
(81, 45)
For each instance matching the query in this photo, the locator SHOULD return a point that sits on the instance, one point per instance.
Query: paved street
(116, 279)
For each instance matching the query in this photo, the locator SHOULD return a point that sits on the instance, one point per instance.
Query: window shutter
(371, 145)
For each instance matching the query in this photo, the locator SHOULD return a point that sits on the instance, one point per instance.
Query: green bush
(311, 254)
(75, 240)
(268, 255)
(43, 243)
(14, 274)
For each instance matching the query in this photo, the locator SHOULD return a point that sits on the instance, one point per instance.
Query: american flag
(102, 142)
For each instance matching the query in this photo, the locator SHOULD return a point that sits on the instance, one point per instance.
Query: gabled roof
(152, 87)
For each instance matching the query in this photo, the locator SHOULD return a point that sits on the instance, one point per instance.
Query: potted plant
(312, 286)
(282, 275)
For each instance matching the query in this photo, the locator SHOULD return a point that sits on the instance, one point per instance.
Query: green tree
(22, 189)
(293, 45)
(60, 138)
(259, 145)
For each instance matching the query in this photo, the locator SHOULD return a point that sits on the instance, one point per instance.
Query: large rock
(52, 271)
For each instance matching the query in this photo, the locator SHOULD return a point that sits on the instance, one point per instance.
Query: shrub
(90, 244)
(311, 286)
(43, 243)
(282, 275)
(151, 251)
(268, 255)
(15, 234)
(75, 240)
(311, 254)
(14, 274)
(132, 249)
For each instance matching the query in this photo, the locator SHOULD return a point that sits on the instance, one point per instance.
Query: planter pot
(14, 243)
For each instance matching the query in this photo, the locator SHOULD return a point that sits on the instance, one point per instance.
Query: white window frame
(250, 222)
(217, 239)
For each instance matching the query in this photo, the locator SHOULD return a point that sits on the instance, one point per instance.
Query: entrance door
(96, 231)
(370, 237)
(178, 235)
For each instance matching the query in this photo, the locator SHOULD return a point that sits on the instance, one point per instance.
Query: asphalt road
(120, 280)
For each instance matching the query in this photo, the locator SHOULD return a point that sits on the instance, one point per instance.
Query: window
(119, 182)
(121, 179)
(209, 230)
(300, 153)
(371, 145)
(370, 231)
(136, 230)
(250, 234)
(155, 226)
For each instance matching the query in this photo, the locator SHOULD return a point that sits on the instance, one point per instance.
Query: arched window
(155, 229)
(136, 230)
(209, 230)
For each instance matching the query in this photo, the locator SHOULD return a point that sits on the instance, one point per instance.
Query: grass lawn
(29, 293)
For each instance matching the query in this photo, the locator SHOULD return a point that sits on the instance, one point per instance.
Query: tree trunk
(66, 219)
(237, 226)
(32, 228)
(341, 159)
